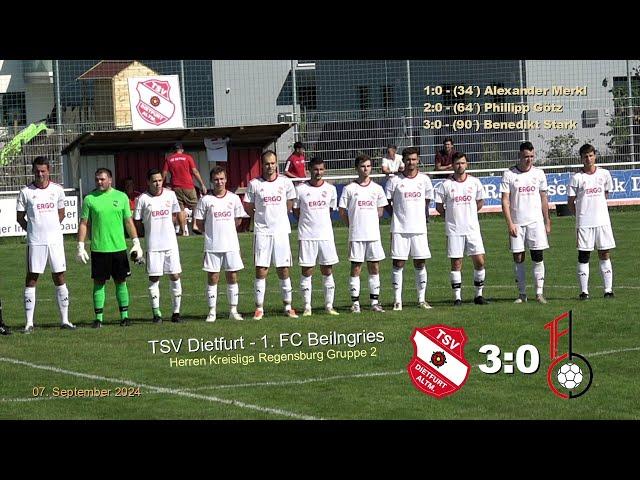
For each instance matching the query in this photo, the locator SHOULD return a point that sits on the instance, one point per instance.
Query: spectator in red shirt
(181, 167)
(295, 166)
(444, 156)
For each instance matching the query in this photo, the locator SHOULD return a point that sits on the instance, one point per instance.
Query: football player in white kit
(312, 207)
(361, 205)
(270, 198)
(459, 199)
(588, 193)
(42, 204)
(409, 194)
(157, 209)
(526, 210)
(218, 215)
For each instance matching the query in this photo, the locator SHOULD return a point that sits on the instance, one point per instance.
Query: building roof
(112, 141)
(105, 69)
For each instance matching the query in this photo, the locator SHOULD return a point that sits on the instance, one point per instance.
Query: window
(13, 109)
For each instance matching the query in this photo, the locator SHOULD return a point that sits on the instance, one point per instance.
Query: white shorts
(460, 245)
(415, 245)
(371, 251)
(164, 261)
(228, 261)
(37, 256)
(271, 248)
(324, 251)
(533, 235)
(599, 237)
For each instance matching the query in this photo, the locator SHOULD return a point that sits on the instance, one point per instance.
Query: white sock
(456, 283)
(478, 281)
(396, 282)
(29, 304)
(374, 288)
(286, 290)
(62, 294)
(521, 278)
(259, 286)
(421, 283)
(305, 289)
(583, 277)
(354, 288)
(538, 275)
(212, 296)
(176, 295)
(329, 289)
(233, 295)
(154, 294)
(606, 270)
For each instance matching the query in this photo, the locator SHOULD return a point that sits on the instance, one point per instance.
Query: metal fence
(345, 107)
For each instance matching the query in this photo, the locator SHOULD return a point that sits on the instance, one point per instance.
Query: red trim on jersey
(316, 186)
(225, 194)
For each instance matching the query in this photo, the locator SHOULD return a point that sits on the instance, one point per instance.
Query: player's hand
(513, 230)
(136, 253)
(82, 256)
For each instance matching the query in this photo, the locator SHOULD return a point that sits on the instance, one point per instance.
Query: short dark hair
(40, 161)
(216, 171)
(410, 151)
(447, 139)
(457, 156)
(587, 148)
(526, 146)
(104, 170)
(178, 146)
(315, 161)
(360, 159)
(267, 153)
(395, 147)
(151, 172)
(298, 145)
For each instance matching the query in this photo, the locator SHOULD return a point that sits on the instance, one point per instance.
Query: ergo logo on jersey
(317, 203)
(42, 206)
(412, 194)
(272, 198)
(226, 214)
(593, 191)
(159, 213)
(462, 198)
(365, 203)
(527, 189)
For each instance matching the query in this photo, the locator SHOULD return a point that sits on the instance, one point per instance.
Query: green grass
(367, 388)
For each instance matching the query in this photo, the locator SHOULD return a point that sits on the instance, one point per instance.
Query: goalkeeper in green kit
(106, 210)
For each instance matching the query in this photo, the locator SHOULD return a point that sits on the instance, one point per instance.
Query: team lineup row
(269, 199)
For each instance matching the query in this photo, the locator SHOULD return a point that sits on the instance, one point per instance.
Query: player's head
(316, 169)
(391, 151)
(459, 162)
(269, 164)
(448, 144)
(363, 166)
(129, 185)
(154, 181)
(588, 155)
(298, 147)
(104, 179)
(179, 147)
(411, 159)
(218, 177)
(40, 169)
(527, 155)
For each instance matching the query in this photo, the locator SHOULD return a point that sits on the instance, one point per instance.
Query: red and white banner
(155, 102)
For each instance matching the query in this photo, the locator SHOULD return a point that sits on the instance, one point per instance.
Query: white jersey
(591, 203)
(362, 205)
(219, 215)
(393, 164)
(156, 213)
(408, 196)
(459, 200)
(315, 204)
(270, 201)
(41, 206)
(524, 194)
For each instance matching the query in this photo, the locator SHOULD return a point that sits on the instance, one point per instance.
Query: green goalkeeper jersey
(106, 212)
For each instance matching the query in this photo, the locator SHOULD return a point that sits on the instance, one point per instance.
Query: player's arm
(440, 209)
(296, 213)
(20, 218)
(480, 204)
(131, 228)
(289, 205)
(61, 214)
(82, 255)
(343, 215)
(544, 200)
(506, 211)
(571, 203)
(200, 223)
(389, 207)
